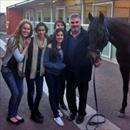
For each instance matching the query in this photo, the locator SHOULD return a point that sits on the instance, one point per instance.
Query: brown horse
(101, 30)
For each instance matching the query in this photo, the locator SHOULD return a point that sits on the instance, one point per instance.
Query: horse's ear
(90, 16)
(101, 17)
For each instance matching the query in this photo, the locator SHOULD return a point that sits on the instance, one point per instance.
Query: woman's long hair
(18, 30)
(54, 50)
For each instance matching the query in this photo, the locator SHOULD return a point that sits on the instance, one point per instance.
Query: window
(39, 15)
(60, 14)
(29, 15)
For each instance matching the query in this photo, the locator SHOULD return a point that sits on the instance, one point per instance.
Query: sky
(5, 3)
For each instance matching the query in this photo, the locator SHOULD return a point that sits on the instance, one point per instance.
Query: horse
(103, 29)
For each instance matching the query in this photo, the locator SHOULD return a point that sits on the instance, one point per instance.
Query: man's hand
(98, 63)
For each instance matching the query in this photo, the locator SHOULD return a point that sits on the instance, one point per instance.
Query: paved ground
(48, 124)
(109, 93)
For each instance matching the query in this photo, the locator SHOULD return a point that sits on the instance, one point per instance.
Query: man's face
(75, 24)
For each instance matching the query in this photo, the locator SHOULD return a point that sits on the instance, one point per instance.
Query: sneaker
(60, 113)
(59, 121)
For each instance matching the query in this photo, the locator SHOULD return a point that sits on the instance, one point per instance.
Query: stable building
(48, 11)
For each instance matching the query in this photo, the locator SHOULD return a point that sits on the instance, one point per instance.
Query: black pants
(34, 102)
(72, 84)
(62, 80)
(54, 87)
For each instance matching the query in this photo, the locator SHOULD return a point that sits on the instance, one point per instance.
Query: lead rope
(97, 116)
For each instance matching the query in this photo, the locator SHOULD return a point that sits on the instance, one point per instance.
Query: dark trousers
(62, 80)
(15, 85)
(34, 102)
(72, 84)
(54, 87)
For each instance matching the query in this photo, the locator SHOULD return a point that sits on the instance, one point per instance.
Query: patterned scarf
(21, 65)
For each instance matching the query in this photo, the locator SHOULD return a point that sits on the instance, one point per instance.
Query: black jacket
(82, 66)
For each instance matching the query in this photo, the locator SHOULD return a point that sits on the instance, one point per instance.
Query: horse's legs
(125, 76)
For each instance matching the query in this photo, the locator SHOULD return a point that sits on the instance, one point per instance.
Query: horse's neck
(119, 33)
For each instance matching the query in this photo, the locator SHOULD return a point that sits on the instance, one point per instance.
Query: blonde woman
(13, 67)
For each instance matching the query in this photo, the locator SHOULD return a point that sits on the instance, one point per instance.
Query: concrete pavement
(109, 93)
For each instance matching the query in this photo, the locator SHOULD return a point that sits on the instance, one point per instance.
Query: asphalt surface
(109, 95)
(109, 89)
(45, 109)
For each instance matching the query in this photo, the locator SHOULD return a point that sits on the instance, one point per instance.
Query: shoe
(36, 119)
(63, 106)
(71, 117)
(80, 119)
(60, 113)
(13, 122)
(20, 119)
(38, 113)
(59, 121)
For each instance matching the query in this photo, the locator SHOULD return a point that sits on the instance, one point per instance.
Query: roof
(26, 3)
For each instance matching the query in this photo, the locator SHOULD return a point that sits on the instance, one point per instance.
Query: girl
(35, 71)
(54, 65)
(61, 24)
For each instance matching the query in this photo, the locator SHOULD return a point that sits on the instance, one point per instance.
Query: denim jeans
(54, 87)
(34, 102)
(15, 85)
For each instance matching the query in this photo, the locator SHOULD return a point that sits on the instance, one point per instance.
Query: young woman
(61, 24)
(54, 65)
(35, 71)
(13, 67)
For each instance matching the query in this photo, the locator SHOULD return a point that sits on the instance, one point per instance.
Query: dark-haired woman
(54, 66)
(35, 71)
(61, 24)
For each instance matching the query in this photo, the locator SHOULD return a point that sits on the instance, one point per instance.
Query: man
(78, 68)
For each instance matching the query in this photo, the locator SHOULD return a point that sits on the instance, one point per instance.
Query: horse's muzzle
(94, 56)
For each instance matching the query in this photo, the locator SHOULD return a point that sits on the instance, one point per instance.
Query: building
(2, 23)
(50, 10)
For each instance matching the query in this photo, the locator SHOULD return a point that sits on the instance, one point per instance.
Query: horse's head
(98, 35)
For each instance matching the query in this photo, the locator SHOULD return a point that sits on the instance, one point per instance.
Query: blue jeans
(15, 85)
(34, 102)
(54, 87)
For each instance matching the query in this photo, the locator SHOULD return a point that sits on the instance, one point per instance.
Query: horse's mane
(118, 27)
(116, 22)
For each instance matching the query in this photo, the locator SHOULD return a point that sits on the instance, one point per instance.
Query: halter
(104, 41)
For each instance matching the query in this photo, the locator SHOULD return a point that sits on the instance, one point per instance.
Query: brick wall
(13, 17)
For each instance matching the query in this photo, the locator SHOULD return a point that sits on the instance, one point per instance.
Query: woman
(54, 65)
(13, 68)
(35, 71)
(61, 24)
